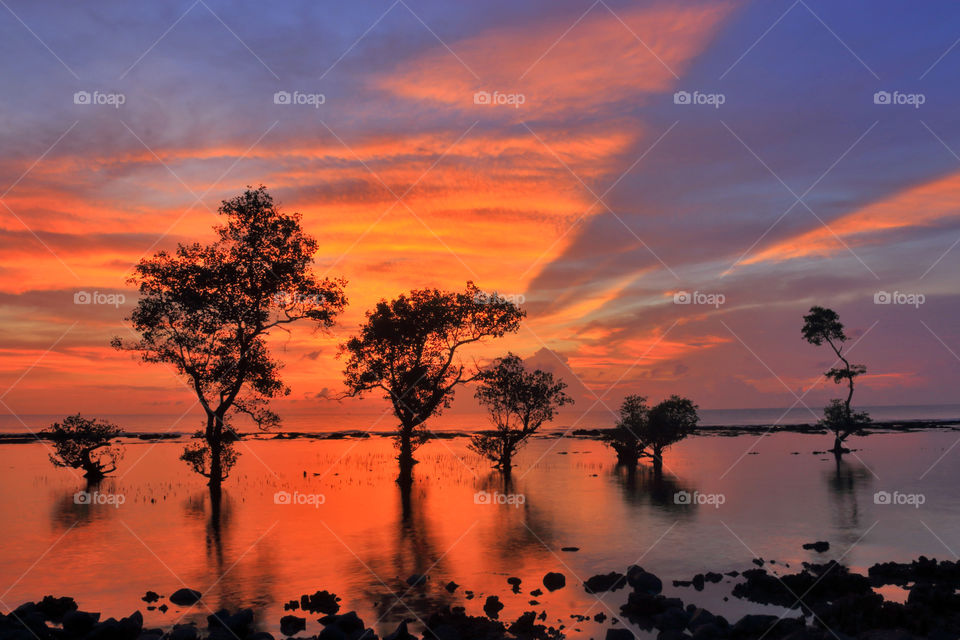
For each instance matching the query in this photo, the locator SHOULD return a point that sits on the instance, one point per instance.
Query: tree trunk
(506, 462)
(406, 456)
(215, 442)
(658, 461)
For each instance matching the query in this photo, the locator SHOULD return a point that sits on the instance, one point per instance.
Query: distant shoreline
(891, 426)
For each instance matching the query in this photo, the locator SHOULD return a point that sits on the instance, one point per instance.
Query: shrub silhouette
(84, 443)
(823, 325)
(519, 402)
(644, 431)
(207, 310)
(407, 348)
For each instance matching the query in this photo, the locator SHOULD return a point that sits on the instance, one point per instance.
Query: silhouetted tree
(669, 422)
(207, 310)
(84, 443)
(823, 325)
(519, 402)
(644, 431)
(625, 437)
(408, 346)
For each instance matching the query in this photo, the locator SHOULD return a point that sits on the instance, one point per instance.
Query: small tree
(625, 438)
(84, 443)
(207, 310)
(667, 424)
(519, 402)
(823, 325)
(643, 431)
(408, 347)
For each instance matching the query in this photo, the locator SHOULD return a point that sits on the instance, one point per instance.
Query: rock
(349, 624)
(185, 597)
(605, 582)
(619, 634)
(492, 607)
(643, 581)
(291, 605)
(320, 602)
(401, 633)
(451, 586)
(79, 623)
(698, 581)
(820, 546)
(150, 596)
(238, 624)
(712, 577)
(163, 608)
(183, 632)
(417, 579)
(536, 593)
(570, 549)
(260, 635)
(468, 594)
(554, 580)
(292, 625)
(515, 583)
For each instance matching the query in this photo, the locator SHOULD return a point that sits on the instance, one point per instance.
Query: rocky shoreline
(822, 602)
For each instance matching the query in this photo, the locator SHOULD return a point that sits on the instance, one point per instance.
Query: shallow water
(366, 538)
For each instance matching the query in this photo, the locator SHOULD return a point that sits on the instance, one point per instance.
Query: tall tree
(822, 325)
(85, 443)
(208, 309)
(408, 349)
(519, 402)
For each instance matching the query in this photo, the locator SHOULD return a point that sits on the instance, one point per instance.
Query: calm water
(365, 538)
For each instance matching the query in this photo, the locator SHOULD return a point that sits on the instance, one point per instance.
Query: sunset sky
(594, 192)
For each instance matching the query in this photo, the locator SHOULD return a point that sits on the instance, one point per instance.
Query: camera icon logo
(882, 497)
(81, 97)
(682, 497)
(882, 297)
(681, 97)
(282, 497)
(82, 297)
(81, 497)
(481, 97)
(281, 97)
(881, 97)
(682, 297)
(482, 497)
